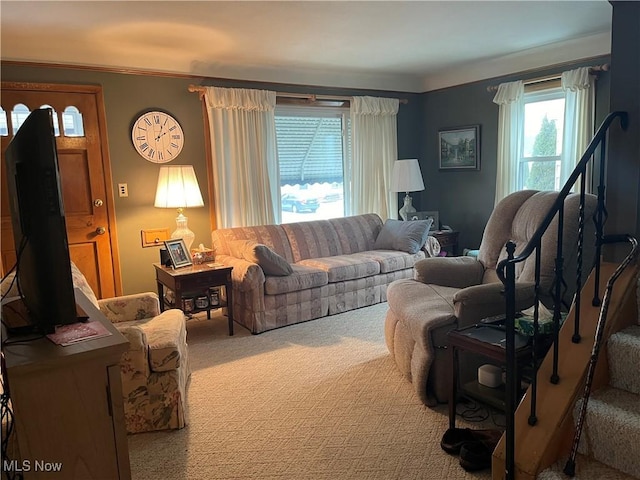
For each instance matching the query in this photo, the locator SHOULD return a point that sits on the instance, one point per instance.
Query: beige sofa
(291, 273)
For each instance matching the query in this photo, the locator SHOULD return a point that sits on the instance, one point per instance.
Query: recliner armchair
(454, 292)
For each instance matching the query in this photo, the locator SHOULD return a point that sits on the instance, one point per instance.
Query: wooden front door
(85, 176)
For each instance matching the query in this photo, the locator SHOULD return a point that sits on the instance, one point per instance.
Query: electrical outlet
(123, 190)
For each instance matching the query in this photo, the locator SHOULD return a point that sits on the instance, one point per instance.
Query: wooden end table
(447, 239)
(193, 281)
(487, 341)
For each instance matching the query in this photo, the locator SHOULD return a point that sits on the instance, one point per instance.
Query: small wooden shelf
(491, 396)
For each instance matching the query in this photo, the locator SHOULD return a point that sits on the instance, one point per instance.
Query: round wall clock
(157, 136)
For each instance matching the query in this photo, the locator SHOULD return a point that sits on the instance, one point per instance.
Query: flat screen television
(43, 266)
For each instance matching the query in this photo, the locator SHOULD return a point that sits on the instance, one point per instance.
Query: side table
(447, 239)
(488, 341)
(193, 280)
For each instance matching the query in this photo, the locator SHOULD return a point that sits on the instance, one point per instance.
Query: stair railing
(506, 271)
(570, 467)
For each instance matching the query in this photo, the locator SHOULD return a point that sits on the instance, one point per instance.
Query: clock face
(157, 137)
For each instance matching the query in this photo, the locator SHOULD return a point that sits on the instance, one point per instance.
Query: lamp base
(183, 232)
(407, 209)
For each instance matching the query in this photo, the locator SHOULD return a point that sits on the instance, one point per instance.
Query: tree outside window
(542, 175)
(540, 160)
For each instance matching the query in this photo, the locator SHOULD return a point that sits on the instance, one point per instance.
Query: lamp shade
(178, 188)
(406, 176)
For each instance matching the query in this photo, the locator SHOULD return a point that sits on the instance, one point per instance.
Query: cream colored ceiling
(392, 45)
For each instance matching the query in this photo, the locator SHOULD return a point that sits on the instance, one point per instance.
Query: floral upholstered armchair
(155, 369)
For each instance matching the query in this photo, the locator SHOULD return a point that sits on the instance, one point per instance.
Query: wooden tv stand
(68, 406)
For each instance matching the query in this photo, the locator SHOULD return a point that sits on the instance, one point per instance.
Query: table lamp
(406, 177)
(178, 188)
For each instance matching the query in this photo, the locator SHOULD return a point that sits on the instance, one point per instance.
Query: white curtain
(510, 98)
(244, 154)
(579, 90)
(374, 149)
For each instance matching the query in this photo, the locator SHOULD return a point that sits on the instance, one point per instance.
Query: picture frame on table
(435, 225)
(178, 253)
(459, 148)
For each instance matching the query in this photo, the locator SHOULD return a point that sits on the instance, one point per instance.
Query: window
(540, 162)
(72, 121)
(71, 118)
(4, 128)
(19, 114)
(314, 157)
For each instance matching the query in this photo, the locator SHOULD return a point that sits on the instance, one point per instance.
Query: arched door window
(4, 128)
(72, 122)
(19, 114)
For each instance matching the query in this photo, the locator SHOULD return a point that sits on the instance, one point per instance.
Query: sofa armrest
(166, 336)
(474, 303)
(457, 272)
(134, 363)
(245, 275)
(130, 307)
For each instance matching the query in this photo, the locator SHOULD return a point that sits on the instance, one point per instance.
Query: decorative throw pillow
(270, 262)
(408, 236)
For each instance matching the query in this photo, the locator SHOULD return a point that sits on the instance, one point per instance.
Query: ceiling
(412, 46)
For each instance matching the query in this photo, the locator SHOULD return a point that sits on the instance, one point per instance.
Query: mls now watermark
(30, 466)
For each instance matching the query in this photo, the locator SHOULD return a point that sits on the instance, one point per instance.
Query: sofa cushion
(400, 235)
(273, 236)
(344, 267)
(302, 277)
(315, 239)
(270, 262)
(394, 260)
(357, 233)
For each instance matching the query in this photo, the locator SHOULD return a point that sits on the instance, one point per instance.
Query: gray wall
(466, 199)
(126, 95)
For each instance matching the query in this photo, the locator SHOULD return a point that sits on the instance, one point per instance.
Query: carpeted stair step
(586, 469)
(611, 432)
(623, 351)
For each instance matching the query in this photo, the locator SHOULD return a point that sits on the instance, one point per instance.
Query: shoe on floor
(475, 456)
(454, 438)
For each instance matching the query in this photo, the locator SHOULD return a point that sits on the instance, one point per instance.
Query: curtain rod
(593, 69)
(312, 97)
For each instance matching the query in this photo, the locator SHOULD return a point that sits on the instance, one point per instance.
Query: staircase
(610, 443)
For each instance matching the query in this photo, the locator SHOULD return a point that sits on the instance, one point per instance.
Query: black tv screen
(43, 268)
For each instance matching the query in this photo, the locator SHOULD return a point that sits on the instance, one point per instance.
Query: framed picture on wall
(459, 148)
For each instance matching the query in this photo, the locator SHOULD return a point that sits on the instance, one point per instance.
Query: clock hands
(160, 134)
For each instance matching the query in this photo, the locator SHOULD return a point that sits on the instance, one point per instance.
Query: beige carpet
(318, 400)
